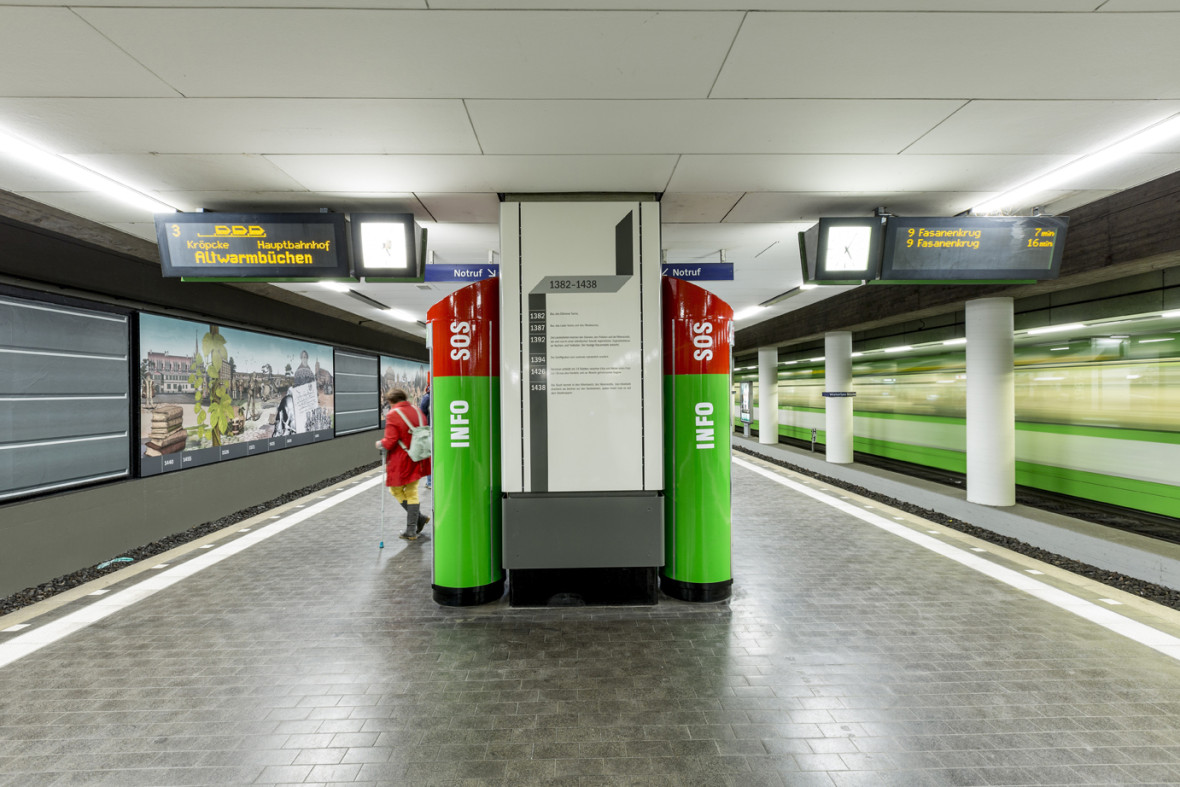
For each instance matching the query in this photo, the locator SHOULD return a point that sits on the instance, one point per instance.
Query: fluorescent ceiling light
(899, 349)
(1055, 349)
(335, 286)
(88, 179)
(1169, 315)
(955, 341)
(857, 355)
(808, 286)
(815, 360)
(399, 314)
(1047, 379)
(749, 311)
(1025, 194)
(1150, 341)
(1073, 326)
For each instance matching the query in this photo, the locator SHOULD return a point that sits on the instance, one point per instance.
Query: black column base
(583, 587)
(468, 597)
(700, 592)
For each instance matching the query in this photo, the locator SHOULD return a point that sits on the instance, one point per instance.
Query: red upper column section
(465, 332)
(698, 330)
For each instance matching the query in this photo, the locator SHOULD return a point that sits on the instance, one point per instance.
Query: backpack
(419, 437)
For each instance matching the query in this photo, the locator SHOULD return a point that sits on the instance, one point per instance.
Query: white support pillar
(991, 403)
(768, 395)
(838, 410)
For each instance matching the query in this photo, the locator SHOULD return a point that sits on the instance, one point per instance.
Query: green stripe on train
(1108, 432)
(1131, 493)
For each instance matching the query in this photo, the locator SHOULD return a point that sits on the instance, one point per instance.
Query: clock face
(848, 249)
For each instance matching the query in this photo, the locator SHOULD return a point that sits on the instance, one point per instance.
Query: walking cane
(381, 487)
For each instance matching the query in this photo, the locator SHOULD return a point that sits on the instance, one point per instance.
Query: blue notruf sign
(439, 272)
(839, 393)
(708, 271)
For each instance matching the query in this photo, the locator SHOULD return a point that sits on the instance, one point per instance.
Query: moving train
(1097, 417)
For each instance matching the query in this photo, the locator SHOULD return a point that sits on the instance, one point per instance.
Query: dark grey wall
(50, 536)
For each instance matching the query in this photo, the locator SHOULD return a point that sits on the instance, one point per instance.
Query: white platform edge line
(1107, 618)
(24, 644)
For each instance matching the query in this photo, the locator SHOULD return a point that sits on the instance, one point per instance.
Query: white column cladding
(768, 395)
(838, 410)
(991, 403)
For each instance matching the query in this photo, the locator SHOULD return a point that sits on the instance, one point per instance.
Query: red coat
(399, 469)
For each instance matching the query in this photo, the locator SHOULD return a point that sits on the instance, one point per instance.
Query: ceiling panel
(479, 173)
(991, 55)
(463, 243)
(787, 206)
(51, 52)
(253, 125)
(1040, 127)
(279, 201)
(433, 54)
(1127, 173)
(16, 175)
(191, 173)
(796, 5)
(682, 207)
(1119, 6)
(696, 242)
(406, 4)
(463, 208)
(704, 126)
(871, 174)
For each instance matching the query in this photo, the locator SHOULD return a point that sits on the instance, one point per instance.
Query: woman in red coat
(401, 472)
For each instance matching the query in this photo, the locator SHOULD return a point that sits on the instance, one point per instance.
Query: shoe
(409, 536)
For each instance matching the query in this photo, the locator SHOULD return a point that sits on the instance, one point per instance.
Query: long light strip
(1023, 195)
(54, 164)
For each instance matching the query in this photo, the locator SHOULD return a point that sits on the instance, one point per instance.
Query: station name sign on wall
(271, 246)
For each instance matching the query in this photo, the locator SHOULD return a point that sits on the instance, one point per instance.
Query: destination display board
(973, 248)
(259, 246)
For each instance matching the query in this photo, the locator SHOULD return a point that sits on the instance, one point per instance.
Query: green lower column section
(697, 482)
(465, 417)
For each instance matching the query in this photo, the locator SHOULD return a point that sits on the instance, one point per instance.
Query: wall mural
(209, 393)
(411, 376)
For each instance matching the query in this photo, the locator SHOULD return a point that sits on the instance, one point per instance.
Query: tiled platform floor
(847, 656)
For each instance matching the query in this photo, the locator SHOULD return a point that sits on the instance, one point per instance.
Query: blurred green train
(1096, 417)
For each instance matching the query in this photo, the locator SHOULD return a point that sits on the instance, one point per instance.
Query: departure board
(973, 247)
(259, 246)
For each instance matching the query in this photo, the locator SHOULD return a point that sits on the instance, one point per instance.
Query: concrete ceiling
(751, 120)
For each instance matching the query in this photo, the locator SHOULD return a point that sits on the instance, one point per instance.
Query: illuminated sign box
(967, 248)
(386, 247)
(842, 250)
(257, 246)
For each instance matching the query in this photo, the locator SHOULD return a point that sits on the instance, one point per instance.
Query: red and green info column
(465, 420)
(698, 336)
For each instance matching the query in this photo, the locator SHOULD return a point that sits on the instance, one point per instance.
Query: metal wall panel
(64, 410)
(357, 393)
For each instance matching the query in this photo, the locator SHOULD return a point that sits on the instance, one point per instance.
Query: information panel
(261, 246)
(581, 290)
(974, 247)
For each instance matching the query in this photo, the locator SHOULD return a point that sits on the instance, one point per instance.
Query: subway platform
(862, 646)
